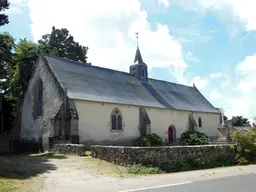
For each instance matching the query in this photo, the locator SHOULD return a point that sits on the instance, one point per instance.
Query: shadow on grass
(26, 166)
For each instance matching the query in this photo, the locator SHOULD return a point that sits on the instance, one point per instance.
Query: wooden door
(170, 135)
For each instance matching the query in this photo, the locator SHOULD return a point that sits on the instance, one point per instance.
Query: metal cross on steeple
(137, 36)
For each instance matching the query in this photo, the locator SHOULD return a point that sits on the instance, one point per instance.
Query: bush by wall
(150, 140)
(246, 147)
(143, 170)
(188, 165)
(193, 138)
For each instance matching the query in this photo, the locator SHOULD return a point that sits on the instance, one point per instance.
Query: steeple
(139, 68)
(138, 58)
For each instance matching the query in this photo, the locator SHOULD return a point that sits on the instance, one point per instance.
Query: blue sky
(208, 42)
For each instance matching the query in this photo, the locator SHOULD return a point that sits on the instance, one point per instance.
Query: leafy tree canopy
(6, 55)
(24, 63)
(17, 61)
(4, 5)
(254, 122)
(240, 121)
(60, 43)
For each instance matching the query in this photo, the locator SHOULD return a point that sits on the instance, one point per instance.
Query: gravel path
(78, 174)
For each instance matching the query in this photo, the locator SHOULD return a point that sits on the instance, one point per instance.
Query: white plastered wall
(95, 125)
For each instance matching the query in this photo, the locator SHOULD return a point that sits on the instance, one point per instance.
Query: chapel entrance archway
(171, 134)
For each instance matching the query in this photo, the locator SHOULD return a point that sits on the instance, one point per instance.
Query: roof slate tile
(92, 83)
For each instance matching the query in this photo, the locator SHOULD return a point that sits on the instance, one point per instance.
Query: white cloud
(225, 83)
(197, 5)
(199, 82)
(223, 78)
(14, 11)
(217, 75)
(239, 98)
(165, 3)
(19, 2)
(191, 34)
(190, 57)
(246, 73)
(215, 95)
(107, 28)
(244, 10)
(16, 7)
(248, 65)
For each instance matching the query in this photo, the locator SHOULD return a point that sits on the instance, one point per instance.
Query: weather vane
(137, 36)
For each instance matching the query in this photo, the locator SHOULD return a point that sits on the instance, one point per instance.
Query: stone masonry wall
(73, 149)
(160, 155)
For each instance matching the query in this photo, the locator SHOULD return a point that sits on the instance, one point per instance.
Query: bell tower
(139, 68)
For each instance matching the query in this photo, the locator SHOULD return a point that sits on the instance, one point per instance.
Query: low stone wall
(160, 155)
(73, 149)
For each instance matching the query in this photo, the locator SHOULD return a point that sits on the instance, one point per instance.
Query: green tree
(254, 123)
(6, 55)
(24, 60)
(6, 45)
(240, 121)
(60, 43)
(4, 5)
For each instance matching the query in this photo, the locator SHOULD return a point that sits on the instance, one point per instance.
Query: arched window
(113, 120)
(200, 122)
(38, 98)
(116, 120)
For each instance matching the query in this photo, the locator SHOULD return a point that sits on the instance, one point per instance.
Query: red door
(170, 135)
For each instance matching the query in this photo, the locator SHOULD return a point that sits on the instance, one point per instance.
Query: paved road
(239, 183)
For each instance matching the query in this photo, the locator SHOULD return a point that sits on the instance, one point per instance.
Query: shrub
(142, 170)
(232, 148)
(195, 164)
(172, 167)
(245, 144)
(242, 161)
(150, 140)
(194, 138)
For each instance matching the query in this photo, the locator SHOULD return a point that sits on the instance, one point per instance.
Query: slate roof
(92, 83)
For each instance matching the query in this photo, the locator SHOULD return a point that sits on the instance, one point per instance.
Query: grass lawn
(15, 185)
(104, 167)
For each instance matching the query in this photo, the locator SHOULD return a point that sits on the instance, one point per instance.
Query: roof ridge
(170, 82)
(55, 76)
(204, 97)
(156, 93)
(85, 65)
